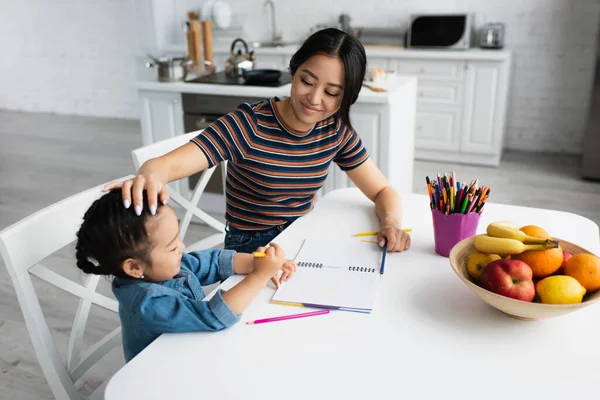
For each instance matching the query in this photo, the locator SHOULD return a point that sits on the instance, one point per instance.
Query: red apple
(510, 278)
(561, 270)
(566, 256)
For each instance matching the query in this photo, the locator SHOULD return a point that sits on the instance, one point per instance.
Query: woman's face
(317, 89)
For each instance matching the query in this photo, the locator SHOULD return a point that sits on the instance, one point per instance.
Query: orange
(535, 231)
(542, 262)
(586, 269)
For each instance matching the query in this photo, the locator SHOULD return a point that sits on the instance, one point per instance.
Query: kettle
(239, 62)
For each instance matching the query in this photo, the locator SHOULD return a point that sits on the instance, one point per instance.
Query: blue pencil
(383, 259)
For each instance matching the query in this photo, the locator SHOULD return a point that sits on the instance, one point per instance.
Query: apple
(566, 256)
(561, 270)
(510, 278)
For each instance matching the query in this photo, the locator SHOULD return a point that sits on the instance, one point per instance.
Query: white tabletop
(428, 337)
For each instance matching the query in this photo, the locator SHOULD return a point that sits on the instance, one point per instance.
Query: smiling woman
(279, 150)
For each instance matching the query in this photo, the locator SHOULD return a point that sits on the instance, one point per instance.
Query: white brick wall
(76, 56)
(68, 57)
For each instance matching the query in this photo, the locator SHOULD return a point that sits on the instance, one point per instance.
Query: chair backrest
(23, 246)
(189, 205)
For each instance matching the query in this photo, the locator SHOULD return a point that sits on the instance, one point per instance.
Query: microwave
(440, 31)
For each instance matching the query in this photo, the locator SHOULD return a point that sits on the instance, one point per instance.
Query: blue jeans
(247, 241)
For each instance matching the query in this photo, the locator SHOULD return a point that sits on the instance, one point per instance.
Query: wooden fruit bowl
(515, 308)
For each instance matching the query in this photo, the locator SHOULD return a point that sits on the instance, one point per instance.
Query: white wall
(68, 57)
(76, 56)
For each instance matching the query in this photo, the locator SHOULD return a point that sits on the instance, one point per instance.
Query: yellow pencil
(259, 254)
(376, 233)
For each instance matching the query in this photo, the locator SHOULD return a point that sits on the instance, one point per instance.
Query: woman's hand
(396, 238)
(132, 189)
(155, 173)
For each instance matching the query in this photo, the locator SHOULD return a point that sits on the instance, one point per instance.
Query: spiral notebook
(334, 274)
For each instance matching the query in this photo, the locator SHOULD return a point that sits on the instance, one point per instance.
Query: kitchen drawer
(440, 93)
(431, 69)
(438, 128)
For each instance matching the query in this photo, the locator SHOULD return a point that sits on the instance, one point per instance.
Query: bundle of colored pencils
(449, 196)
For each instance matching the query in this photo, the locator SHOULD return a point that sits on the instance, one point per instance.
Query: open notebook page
(334, 273)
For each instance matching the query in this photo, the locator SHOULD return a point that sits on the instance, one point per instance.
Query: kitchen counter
(394, 86)
(471, 54)
(475, 54)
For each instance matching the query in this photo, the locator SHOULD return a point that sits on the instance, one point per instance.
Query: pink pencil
(284, 317)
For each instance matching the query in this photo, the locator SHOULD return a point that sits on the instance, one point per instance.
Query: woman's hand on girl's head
(396, 238)
(132, 192)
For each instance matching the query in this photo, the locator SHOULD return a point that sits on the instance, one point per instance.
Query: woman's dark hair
(110, 234)
(337, 43)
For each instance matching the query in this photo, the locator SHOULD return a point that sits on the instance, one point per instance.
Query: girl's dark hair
(110, 234)
(337, 43)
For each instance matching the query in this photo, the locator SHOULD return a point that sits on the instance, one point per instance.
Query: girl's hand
(396, 239)
(132, 192)
(268, 266)
(289, 267)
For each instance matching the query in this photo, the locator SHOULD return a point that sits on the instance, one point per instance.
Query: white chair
(22, 246)
(190, 206)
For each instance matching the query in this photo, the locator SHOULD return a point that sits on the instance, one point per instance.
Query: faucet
(274, 37)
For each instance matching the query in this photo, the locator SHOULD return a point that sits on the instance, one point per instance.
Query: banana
(507, 224)
(505, 246)
(501, 231)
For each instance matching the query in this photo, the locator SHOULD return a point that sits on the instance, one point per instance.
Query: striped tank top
(273, 171)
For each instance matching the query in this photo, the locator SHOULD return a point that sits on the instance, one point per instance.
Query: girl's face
(167, 247)
(317, 89)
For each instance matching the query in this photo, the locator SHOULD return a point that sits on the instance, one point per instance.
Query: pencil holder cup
(450, 229)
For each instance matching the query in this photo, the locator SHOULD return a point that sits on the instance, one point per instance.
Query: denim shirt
(148, 309)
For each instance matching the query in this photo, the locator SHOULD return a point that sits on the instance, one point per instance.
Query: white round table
(429, 336)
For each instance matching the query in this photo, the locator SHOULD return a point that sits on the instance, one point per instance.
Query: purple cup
(450, 229)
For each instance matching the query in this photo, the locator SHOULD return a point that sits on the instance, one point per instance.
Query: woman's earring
(142, 276)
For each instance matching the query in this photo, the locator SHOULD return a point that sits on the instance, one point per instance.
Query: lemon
(560, 289)
(478, 261)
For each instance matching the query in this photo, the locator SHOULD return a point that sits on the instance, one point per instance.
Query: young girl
(157, 285)
(279, 150)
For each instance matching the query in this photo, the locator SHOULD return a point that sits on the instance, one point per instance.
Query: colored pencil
(450, 196)
(383, 259)
(286, 317)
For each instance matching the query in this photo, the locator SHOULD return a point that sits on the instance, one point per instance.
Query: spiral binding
(356, 268)
(353, 268)
(310, 264)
